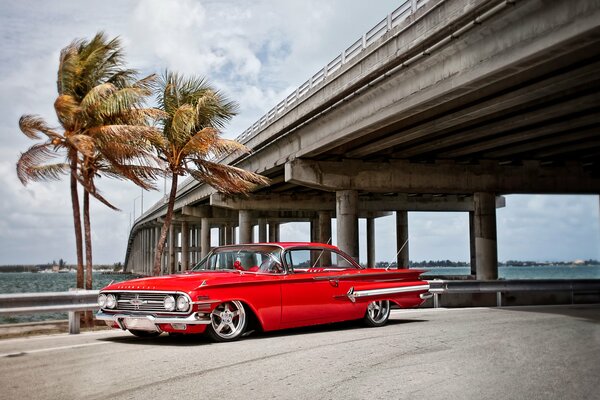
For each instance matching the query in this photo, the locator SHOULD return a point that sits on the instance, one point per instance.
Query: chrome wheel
(227, 321)
(377, 313)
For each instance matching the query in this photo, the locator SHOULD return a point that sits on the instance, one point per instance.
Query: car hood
(188, 281)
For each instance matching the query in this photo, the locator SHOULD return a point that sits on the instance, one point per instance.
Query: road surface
(479, 353)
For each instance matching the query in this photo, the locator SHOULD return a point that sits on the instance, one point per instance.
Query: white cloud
(257, 53)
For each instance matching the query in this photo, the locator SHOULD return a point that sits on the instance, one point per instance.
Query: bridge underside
(496, 98)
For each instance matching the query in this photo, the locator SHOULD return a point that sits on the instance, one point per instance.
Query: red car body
(296, 284)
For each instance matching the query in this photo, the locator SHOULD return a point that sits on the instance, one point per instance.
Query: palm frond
(33, 125)
(67, 110)
(90, 187)
(182, 124)
(226, 178)
(30, 166)
(83, 143)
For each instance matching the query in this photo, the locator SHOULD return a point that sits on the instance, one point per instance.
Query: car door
(312, 292)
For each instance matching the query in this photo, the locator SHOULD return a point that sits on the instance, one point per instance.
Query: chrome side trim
(118, 318)
(352, 294)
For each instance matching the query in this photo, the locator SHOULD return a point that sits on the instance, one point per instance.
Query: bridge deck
(509, 353)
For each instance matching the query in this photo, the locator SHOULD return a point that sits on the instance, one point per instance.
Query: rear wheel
(228, 322)
(144, 334)
(378, 313)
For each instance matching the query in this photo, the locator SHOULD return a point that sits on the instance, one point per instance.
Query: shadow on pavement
(202, 340)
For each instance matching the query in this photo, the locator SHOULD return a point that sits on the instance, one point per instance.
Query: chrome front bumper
(150, 322)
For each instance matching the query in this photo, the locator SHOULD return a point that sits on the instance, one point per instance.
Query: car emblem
(136, 302)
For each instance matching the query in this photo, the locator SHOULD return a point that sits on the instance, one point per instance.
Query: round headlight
(111, 301)
(102, 300)
(169, 303)
(183, 303)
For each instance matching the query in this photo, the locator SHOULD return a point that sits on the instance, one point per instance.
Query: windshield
(264, 259)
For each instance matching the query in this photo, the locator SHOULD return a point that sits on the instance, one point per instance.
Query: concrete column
(347, 221)
(222, 234)
(185, 246)
(262, 230)
(370, 242)
(192, 245)
(245, 218)
(314, 230)
(204, 237)
(324, 227)
(325, 234)
(172, 249)
(401, 238)
(228, 234)
(486, 249)
(273, 231)
(472, 243)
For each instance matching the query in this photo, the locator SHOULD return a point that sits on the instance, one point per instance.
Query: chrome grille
(150, 302)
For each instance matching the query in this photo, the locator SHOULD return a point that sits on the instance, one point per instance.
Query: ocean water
(26, 282)
(537, 272)
(49, 282)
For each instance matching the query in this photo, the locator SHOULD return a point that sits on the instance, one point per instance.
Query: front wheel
(377, 313)
(227, 322)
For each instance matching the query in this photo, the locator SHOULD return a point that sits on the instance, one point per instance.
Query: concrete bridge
(445, 105)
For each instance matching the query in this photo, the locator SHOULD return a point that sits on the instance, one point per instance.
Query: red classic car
(267, 286)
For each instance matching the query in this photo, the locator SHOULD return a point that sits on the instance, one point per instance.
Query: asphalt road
(508, 353)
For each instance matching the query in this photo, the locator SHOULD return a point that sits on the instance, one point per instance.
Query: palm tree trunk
(76, 221)
(160, 247)
(88, 240)
(88, 318)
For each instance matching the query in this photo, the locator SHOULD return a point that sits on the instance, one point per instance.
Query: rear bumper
(150, 322)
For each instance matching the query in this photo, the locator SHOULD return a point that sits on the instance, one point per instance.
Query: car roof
(285, 245)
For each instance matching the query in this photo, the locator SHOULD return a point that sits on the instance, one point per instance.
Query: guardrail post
(498, 299)
(74, 319)
(436, 300)
(74, 322)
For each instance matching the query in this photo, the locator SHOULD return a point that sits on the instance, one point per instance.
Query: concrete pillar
(314, 230)
(324, 227)
(228, 234)
(172, 249)
(185, 246)
(204, 237)
(347, 221)
(401, 238)
(370, 242)
(222, 235)
(486, 248)
(262, 230)
(325, 234)
(472, 243)
(273, 231)
(245, 218)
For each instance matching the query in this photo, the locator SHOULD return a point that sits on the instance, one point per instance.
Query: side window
(316, 260)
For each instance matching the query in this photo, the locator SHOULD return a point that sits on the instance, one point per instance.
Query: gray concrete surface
(484, 353)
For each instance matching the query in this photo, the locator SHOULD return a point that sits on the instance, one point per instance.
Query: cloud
(256, 53)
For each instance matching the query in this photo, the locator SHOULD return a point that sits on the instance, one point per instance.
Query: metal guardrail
(76, 301)
(73, 302)
(444, 287)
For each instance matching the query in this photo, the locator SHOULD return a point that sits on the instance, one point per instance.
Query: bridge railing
(406, 8)
(72, 302)
(449, 287)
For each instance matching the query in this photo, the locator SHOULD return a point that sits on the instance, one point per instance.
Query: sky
(256, 53)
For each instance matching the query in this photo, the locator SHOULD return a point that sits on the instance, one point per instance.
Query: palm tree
(105, 129)
(194, 114)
